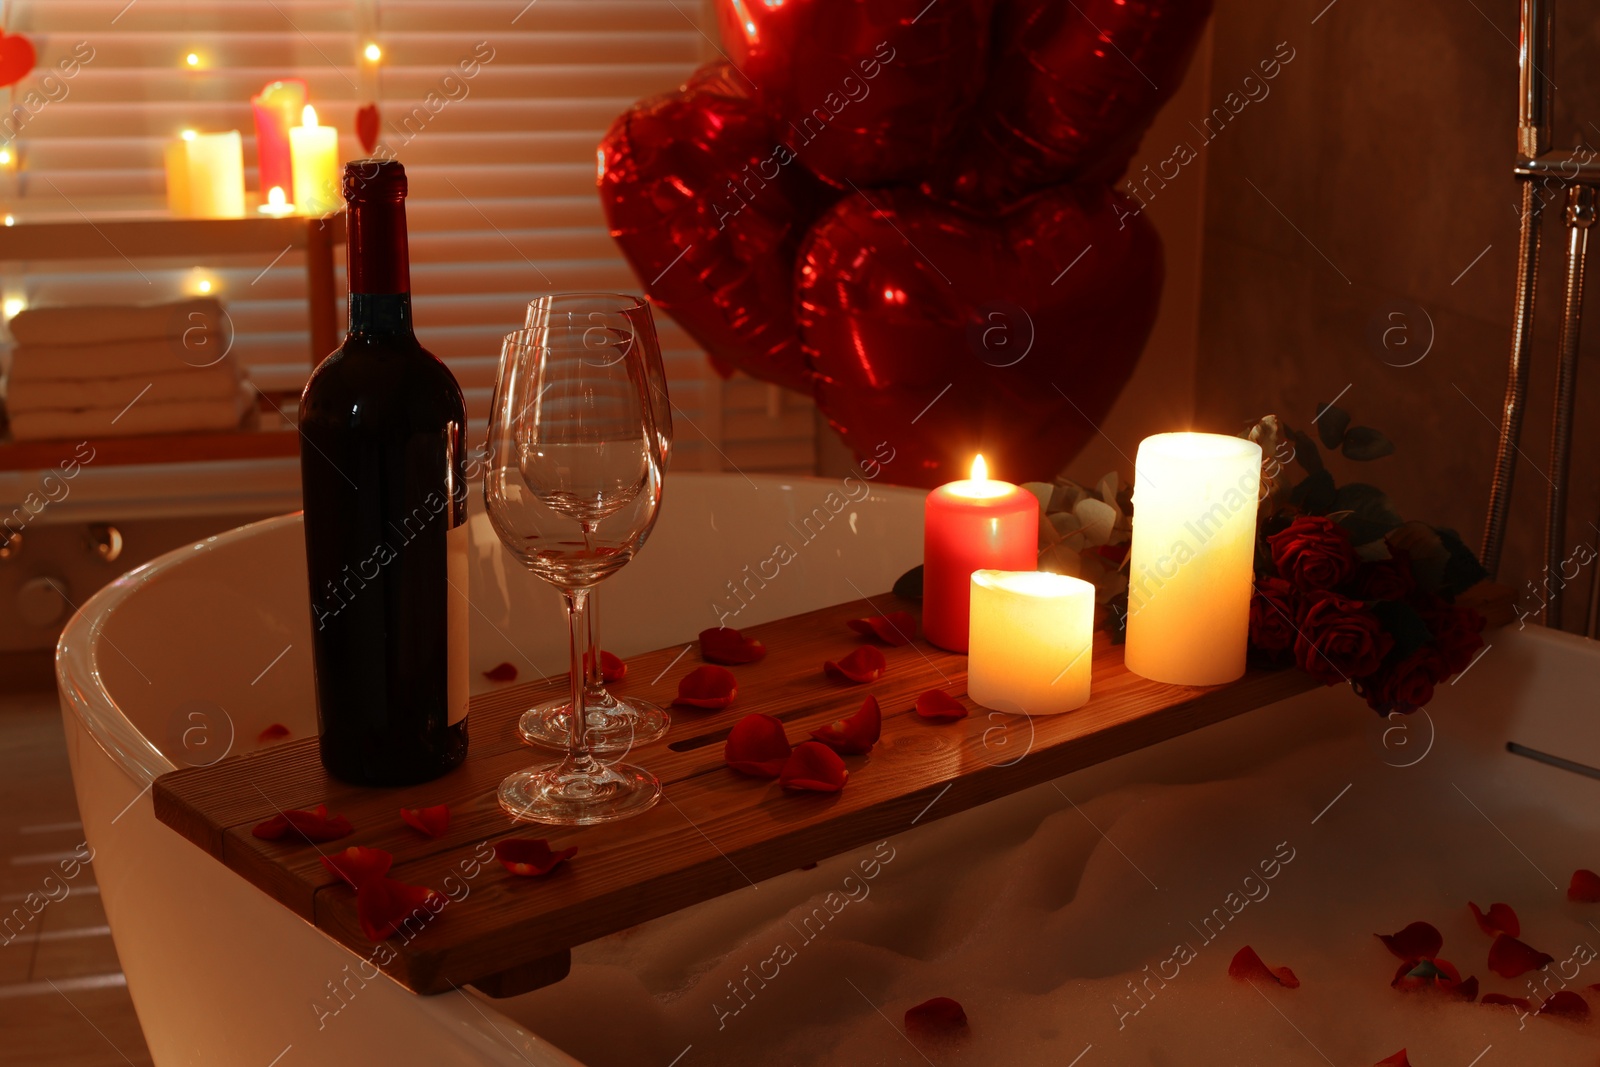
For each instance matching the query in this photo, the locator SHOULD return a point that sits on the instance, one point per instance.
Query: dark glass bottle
(382, 470)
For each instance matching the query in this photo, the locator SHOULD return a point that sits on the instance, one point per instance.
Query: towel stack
(111, 371)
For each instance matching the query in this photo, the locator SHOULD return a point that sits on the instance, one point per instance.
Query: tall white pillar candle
(1030, 639)
(1191, 572)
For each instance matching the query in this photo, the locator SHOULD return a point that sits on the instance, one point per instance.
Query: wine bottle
(382, 473)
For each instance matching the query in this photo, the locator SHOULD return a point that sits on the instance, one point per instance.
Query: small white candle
(1029, 646)
(276, 205)
(1190, 575)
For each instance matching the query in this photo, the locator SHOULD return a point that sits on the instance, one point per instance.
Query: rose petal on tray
(865, 664)
(1509, 957)
(1567, 1004)
(384, 905)
(707, 687)
(1247, 967)
(938, 1015)
(501, 672)
(724, 644)
(1499, 919)
(757, 746)
(1417, 941)
(813, 767)
(358, 865)
(276, 732)
(896, 628)
(1519, 1003)
(1397, 1060)
(1584, 887)
(856, 735)
(432, 821)
(938, 706)
(530, 857)
(314, 825)
(612, 668)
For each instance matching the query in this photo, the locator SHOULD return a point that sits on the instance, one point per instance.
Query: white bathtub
(188, 658)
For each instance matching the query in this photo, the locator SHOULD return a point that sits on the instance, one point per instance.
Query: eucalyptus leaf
(1370, 515)
(1043, 491)
(1305, 452)
(1364, 443)
(1314, 494)
(1462, 570)
(1097, 519)
(1331, 424)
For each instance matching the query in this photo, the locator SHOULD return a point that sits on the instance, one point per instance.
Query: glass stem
(593, 677)
(578, 756)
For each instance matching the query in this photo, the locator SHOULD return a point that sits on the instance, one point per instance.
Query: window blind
(495, 107)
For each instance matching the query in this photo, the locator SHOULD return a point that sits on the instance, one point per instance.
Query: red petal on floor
(757, 746)
(1584, 888)
(707, 687)
(896, 628)
(276, 732)
(358, 865)
(1500, 998)
(612, 669)
(865, 664)
(1566, 1004)
(432, 821)
(530, 857)
(941, 1015)
(938, 706)
(501, 672)
(1397, 1060)
(1418, 941)
(724, 644)
(856, 735)
(1247, 966)
(384, 905)
(1499, 919)
(314, 825)
(1509, 957)
(815, 767)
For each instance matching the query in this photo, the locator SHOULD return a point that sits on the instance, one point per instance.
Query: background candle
(316, 165)
(216, 175)
(177, 161)
(971, 525)
(277, 107)
(1189, 580)
(1031, 639)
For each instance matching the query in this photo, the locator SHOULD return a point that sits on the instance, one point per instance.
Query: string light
(373, 52)
(13, 305)
(5, 157)
(193, 59)
(187, 135)
(11, 220)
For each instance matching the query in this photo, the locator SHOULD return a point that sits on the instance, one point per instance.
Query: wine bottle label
(456, 545)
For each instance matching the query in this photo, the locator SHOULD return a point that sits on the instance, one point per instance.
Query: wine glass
(615, 724)
(573, 484)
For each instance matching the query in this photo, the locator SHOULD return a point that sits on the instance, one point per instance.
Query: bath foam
(1058, 921)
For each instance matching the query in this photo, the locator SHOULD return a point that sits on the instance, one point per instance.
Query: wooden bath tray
(713, 832)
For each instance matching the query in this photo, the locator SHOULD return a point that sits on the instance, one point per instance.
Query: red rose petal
(1499, 919)
(1247, 966)
(358, 865)
(530, 857)
(815, 767)
(1514, 1002)
(856, 735)
(384, 904)
(865, 664)
(724, 644)
(276, 732)
(1566, 1004)
(757, 746)
(707, 687)
(896, 628)
(941, 1015)
(1418, 941)
(1509, 957)
(612, 669)
(1434, 974)
(1397, 1060)
(938, 706)
(501, 672)
(314, 825)
(1584, 888)
(432, 821)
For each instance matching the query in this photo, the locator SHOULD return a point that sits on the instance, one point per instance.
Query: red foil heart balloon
(709, 209)
(948, 334)
(866, 93)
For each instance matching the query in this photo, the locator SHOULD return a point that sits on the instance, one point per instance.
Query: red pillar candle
(971, 525)
(277, 107)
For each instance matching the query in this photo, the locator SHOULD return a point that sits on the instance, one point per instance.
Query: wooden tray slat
(714, 832)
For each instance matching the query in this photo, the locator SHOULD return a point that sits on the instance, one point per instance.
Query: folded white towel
(124, 359)
(92, 324)
(208, 383)
(140, 417)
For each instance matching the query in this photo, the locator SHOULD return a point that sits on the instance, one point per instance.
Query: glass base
(614, 725)
(570, 794)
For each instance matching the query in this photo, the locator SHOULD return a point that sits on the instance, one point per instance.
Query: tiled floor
(63, 1002)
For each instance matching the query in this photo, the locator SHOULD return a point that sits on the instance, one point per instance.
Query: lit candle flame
(275, 196)
(980, 469)
(308, 117)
